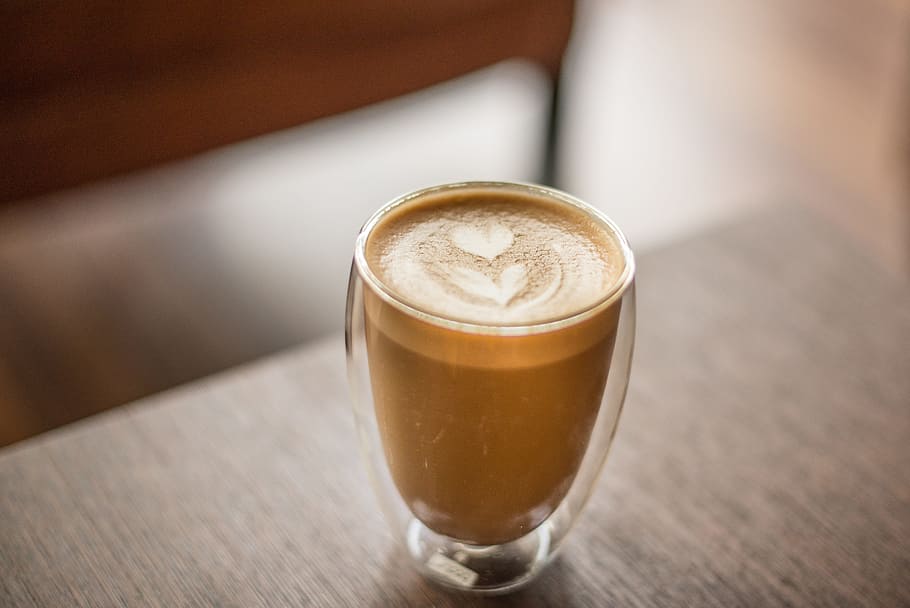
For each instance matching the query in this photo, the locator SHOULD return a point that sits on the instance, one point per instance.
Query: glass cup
(483, 442)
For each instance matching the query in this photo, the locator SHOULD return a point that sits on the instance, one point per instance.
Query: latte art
(487, 243)
(511, 281)
(483, 259)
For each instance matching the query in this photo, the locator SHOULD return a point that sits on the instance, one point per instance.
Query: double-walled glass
(483, 442)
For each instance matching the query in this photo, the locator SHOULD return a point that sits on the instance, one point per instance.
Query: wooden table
(763, 460)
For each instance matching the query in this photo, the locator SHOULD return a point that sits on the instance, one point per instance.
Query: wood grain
(763, 460)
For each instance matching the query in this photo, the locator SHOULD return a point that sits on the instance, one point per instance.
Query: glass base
(483, 569)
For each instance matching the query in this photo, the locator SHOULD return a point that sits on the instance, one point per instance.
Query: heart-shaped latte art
(488, 242)
(510, 283)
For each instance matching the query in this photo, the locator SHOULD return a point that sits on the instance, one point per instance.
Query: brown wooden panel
(97, 88)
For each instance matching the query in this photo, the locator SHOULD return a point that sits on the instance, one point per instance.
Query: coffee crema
(493, 257)
(484, 432)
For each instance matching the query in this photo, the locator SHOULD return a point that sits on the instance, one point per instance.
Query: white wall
(290, 204)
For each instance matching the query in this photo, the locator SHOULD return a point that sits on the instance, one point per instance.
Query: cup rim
(616, 292)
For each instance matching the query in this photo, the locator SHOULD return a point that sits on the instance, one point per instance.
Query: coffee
(485, 399)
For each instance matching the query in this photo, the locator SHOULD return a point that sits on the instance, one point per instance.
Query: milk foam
(493, 257)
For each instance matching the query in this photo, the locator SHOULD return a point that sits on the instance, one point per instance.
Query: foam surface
(494, 257)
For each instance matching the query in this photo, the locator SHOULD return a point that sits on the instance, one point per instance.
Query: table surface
(763, 458)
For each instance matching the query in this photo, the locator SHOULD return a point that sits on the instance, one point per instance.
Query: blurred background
(181, 184)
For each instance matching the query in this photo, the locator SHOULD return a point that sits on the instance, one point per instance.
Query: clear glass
(479, 507)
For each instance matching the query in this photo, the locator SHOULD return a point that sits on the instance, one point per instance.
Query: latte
(489, 331)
